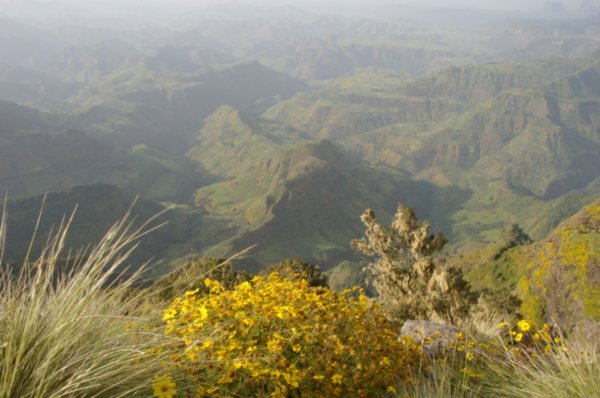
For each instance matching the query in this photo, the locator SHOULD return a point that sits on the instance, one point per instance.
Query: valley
(275, 129)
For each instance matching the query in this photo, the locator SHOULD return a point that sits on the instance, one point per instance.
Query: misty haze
(263, 129)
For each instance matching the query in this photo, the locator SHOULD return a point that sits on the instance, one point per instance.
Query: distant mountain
(537, 38)
(475, 129)
(313, 194)
(19, 120)
(139, 105)
(37, 156)
(328, 58)
(21, 43)
(89, 64)
(158, 97)
(525, 131)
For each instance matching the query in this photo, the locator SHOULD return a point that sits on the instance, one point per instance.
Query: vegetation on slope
(556, 277)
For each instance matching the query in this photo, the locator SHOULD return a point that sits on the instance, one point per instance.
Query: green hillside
(556, 277)
(297, 197)
(98, 207)
(139, 103)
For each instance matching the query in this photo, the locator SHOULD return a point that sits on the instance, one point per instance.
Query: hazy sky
(503, 4)
(487, 4)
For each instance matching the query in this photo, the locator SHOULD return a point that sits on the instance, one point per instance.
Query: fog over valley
(257, 121)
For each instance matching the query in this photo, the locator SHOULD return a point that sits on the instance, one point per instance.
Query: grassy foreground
(65, 326)
(68, 330)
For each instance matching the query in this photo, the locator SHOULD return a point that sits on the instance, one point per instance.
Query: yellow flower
(391, 389)
(129, 326)
(163, 386)
(523, 325)
(274, 346)
(292, 378)
(469, 356)
(318, 377)
(519, 337)
(337, 378)
(169, 314)
(471, 373)
(202, 391)
(202, 313)
(214, 286)
(281, 311)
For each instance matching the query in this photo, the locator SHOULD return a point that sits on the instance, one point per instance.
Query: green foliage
(408, 283)
(511, 237)
(294, 268)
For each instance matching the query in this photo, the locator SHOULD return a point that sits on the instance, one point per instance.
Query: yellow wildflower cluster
(463, 355)
(280, 337)
(527, 341)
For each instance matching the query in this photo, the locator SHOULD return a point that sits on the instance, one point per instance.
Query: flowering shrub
(279, 337)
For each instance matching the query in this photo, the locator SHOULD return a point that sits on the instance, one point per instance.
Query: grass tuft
(568, 373)
(65, 325)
